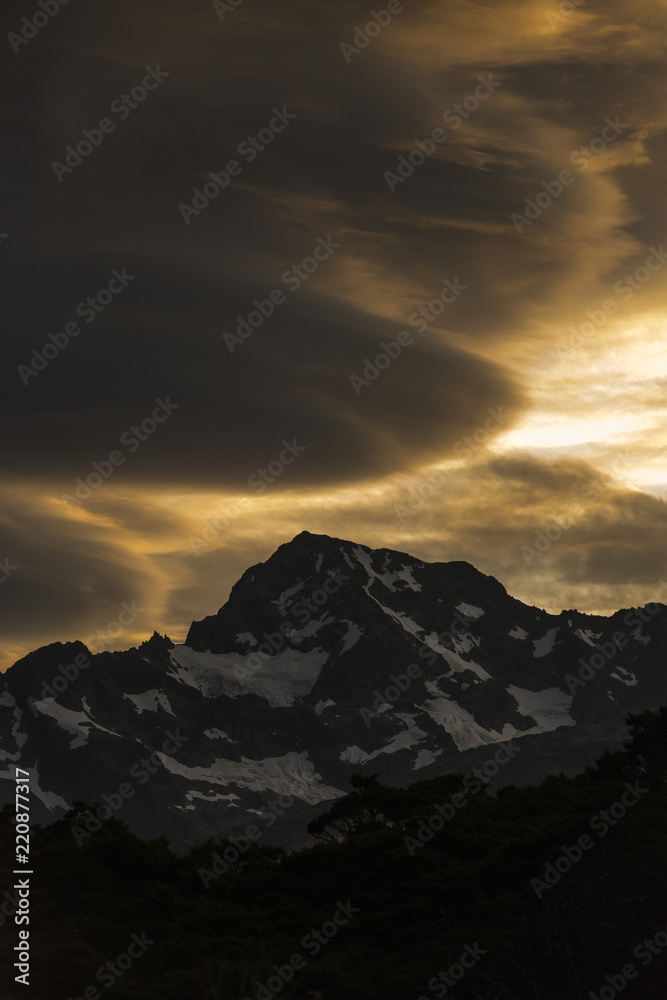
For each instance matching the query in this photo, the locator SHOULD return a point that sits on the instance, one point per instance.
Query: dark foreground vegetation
(556, 892)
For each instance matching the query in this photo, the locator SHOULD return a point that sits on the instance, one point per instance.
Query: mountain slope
(327, 659)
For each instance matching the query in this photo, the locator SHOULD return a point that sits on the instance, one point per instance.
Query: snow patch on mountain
(469, 610)
(7, 700)
(453, 658)
(465, 642)
(546, 643)
(49, 799)
(352, 636)
(355, 755)
(549, 708)
(77, 723)
(150, 701)
(292, 774)
(211, 796)
(406, 575)
(310, 628)
(284, 600)
(406, 623)
(217, 734)
(403, 740)
(460, 724)
(246, 637)
(348, 559)
(386, 577)
(279, 679)
(587, 635)
(424, 758)
(629, 678)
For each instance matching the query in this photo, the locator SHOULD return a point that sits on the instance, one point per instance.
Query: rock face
(328, 659)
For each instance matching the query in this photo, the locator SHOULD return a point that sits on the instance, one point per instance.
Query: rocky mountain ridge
(329, 658)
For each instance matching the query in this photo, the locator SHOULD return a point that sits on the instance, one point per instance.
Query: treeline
(555, 892)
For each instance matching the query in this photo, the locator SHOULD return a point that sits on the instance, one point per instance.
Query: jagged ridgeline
(329, 658)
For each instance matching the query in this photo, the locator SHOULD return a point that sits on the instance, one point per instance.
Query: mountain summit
(329, 658)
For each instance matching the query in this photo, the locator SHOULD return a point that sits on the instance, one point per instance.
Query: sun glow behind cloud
(602, 399)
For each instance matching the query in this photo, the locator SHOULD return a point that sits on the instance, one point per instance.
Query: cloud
(72, 576)
(291, 381)
(499, 345)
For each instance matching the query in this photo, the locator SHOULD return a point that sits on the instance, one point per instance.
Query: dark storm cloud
(119, 207)
(323, 175)
(162, 335)
(160, 339)
(70, 578)
(560, 535)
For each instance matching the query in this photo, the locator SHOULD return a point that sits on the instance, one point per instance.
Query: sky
(392, 274)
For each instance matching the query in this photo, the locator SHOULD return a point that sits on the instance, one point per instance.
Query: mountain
(329, 658)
